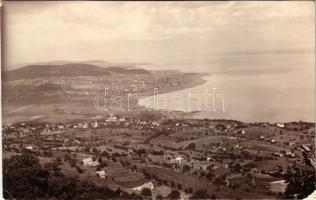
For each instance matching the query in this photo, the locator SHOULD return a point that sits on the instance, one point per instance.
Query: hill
(100, 63)
(70, 69)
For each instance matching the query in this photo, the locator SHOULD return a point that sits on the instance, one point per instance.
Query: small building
(277, 154)
(29, 147)
(101, 173)
(89, 162)
(60, 127)
(290, 155)
(111, 119)
(143, 123)
(154, 123)
(280, 125)
(148, 185)
(292, 143)
(178, 159)
(95, 125)
(85, 125)
(210, 159)
(122, 119)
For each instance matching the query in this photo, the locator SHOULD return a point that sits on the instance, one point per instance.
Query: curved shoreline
(198, 82)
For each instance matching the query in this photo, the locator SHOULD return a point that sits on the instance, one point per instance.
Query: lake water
(263, 89)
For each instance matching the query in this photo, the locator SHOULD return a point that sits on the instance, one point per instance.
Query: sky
(151, 31)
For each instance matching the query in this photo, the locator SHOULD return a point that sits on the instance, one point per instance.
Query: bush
(159, 197)
(191, 146)
(200, 194)
(146, 192)
(174, 194)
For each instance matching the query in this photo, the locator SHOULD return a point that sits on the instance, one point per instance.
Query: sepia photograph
(158, 100)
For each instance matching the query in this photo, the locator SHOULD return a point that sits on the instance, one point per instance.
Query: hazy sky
(151, 31)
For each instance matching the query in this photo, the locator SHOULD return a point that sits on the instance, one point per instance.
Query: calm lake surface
(253, 88)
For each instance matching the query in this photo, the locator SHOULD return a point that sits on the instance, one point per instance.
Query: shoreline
(195, 114)
(197, 79)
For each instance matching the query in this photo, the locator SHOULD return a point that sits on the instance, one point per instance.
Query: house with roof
(90, 162)
(29, 147)
(101, 173)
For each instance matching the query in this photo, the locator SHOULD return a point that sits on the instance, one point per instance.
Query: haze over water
(256, 87)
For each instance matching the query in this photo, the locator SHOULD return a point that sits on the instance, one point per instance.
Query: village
(157, 156)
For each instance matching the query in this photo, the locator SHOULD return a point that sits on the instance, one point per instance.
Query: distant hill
(121, 70)
(71, 69)
(100, 63)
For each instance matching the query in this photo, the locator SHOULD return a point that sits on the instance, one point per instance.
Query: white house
(95, 125)
(89, 162)
(290, 154)
(142, 123)
(85, 125)
(148, 185)
(111, 119)
(154, 123)
(292, 143)
(178, 159)
(122, 119)
(210, 159)
(277, 154)
(60, 126)
(102, 173)
(29, 147)
(280, 125)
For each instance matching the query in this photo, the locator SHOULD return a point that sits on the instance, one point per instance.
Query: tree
(191, 146)
(146, 192)
(301, 183)
(174, 194)
(200, 194)
(79, 170)
(159, 197)
(172, 184)
(24, 178)
(237, 167)
(95, 150)
(186, 168)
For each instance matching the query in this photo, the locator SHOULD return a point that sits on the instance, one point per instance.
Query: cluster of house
(102, 174)
(287, 154)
